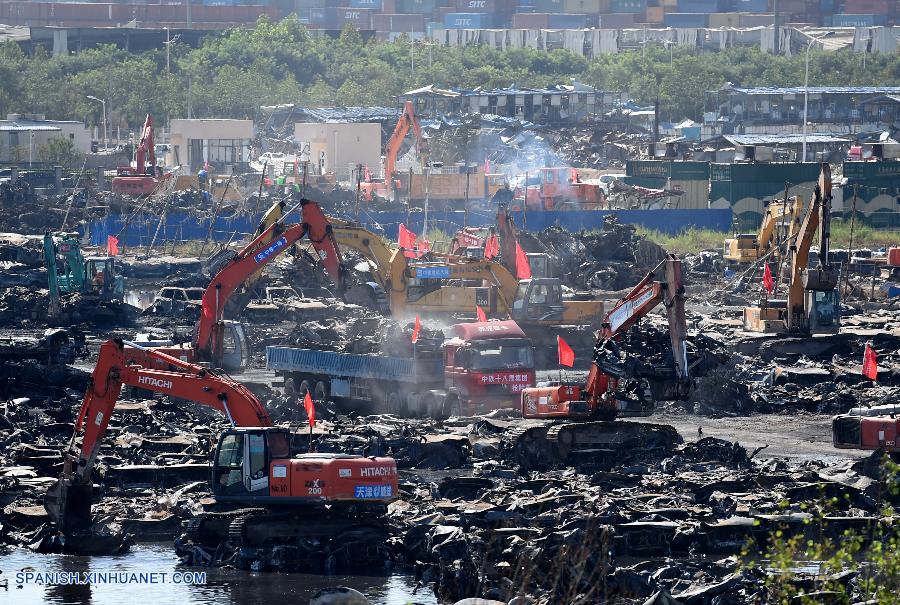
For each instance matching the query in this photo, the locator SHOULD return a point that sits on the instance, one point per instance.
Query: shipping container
(419, 7)
(668, 4)
(567, 21)
(686, 20)
(826, 6)
(757, 20)
(725, 20)
(628, 6)
(373, 4)
(620, 21)
(750, 6)
(866, 7)
(654, 14)
(530, 21)
(398, 23)
(309, 3)
(846, 20)
(587, 7)
(468, 21)
(502, 9)
(701, 6)
(548, 6)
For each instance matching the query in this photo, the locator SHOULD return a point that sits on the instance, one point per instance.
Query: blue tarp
(181, 227)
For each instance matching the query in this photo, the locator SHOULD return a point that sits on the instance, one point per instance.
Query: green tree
(59, 151)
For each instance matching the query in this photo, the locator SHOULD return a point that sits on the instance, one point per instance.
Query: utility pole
(358, 170)
(466, 207)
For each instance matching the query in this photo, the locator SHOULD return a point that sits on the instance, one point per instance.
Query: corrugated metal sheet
(877, 186)
(799, 90)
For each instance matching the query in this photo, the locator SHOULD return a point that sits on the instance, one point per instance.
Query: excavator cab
(102, 279)
(538, 299)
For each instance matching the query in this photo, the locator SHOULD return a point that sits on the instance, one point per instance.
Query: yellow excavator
(812, 305)
(746, 248)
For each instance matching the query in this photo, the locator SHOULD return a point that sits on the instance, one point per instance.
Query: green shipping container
(419, 7)
(746, 188)
(877, 189)
(628, 6)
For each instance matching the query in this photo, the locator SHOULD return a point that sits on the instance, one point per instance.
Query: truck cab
(486, 367)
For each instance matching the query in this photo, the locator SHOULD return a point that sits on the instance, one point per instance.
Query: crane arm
(68, 501)
(407, 120)
(509, 238)
(270, 243)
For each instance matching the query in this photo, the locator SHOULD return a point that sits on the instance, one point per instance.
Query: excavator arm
(642, 299)
(407, 120)
(68, 501)
(145, 148)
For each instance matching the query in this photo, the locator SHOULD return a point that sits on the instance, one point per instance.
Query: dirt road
(793, 437)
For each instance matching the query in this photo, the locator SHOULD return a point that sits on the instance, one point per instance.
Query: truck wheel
(321, 391)
(433, 406)
(452, 407)
(394, 404)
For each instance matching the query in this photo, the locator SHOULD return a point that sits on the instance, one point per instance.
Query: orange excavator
(384, 187)
(598, 401)
(144, 177)
(222, 343)
(252, 466)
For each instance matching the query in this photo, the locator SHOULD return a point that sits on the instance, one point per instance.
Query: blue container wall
(686, 19)
(468, 20)
(365, 4)
(142, 228)
(858, 20)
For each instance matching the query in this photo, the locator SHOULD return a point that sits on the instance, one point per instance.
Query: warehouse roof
(782, 139)
(827, 90)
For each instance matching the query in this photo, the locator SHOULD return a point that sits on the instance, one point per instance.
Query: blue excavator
(95, 278)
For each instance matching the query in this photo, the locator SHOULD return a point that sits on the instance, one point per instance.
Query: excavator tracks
(591, 445)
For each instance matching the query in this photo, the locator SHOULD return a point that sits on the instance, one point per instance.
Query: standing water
(219, 585)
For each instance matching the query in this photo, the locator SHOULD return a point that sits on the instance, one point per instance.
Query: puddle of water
(221, 586)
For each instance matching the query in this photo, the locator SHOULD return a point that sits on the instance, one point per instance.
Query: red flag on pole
(405, 237)
(523, 269)
(491, 246)
(479, 312)
(870, 363)
(112, 245)
(768, 282)
(565, 353)
(310, 410)
(416, 328)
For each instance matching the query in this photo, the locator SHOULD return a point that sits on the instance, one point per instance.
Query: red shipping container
(531, 20)
(894, 257)
(398, 23)
(389, 7)
(865, 7)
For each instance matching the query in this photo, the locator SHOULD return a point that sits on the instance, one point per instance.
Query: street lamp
(806, 87)
(105, 130)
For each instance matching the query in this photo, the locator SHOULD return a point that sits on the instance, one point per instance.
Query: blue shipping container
(566, 21)
(858, 20)
(700, 6)
(686, 19)
(365, 4)
(826, 6)
(752, 6)
(468, 20)
(627, 6)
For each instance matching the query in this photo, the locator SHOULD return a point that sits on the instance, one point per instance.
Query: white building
(339, 147)
(222, 143)
(21, 135)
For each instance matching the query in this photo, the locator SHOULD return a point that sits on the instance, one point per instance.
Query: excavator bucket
(68, 505)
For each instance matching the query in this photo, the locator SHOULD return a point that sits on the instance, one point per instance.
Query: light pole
(105, 127)
(806, 88)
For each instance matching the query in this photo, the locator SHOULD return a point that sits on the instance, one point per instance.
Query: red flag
(405, 237)
(416, 328)
(491, 246)
(768, 282)
(367, 176)
(523, 269)
(870, 363)
(112, 245)
(487, 166)
(565, 352)
(310, 410)
(479, 312)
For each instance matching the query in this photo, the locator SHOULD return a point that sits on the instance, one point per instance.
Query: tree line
(233, 72)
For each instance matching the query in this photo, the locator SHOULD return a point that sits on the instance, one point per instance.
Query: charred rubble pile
(614, 258)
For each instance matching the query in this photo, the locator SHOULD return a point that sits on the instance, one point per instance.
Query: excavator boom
(68, 501)
(407, 120)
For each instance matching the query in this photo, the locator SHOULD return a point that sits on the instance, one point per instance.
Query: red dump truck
(483, 367)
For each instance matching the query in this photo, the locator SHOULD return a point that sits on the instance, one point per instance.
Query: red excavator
(384, 187)
(222, 343)
(144, 177)
(253, 464)
(599, 399)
